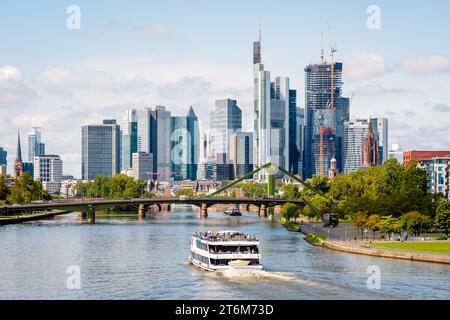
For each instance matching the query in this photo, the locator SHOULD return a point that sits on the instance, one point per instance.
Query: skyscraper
(185, 146)
(160, 145)
(100, 150)
(142, 165)
(18, 169)
(300, 141)
(380, 130)
(324, 108)
(48, 169)
(129, 138)
(225, 119)
(273, 114)
(355, 133)
(294, 153)
(241, 153)
(144, 133)
(3, 161)
(35, 145)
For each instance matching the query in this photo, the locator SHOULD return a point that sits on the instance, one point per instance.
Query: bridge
(89, 206)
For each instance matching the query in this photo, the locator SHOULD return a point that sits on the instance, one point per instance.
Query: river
(123, 257)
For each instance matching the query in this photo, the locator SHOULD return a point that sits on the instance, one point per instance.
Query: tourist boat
(235, 212)
(225, 250)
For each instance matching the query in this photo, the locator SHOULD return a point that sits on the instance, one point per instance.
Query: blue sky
(182, 53)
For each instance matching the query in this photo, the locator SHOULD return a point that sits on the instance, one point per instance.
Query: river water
(122, 257)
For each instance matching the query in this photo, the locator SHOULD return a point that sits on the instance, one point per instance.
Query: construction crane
(329, 108)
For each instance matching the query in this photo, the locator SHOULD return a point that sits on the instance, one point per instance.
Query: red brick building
(416, 155)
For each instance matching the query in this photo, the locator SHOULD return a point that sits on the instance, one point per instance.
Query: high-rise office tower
(241, 153)
(144, 132)
(48, 169)
(100, 150)
(185, 146)
(294, 153)
(380, 130)
(35, 145)
(325, 113)
(300, 141)
(3, 161)
(142, 165)
(18, 164)
(225, 119)
(129, 138)
(355, 132)
(160, 144)
(273, 114)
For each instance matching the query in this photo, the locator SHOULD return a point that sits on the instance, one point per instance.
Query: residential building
(48, 170)
(100, 150)
(185, 142)
(438, 175)
(421, 155)
(142, 166)
(35, 145)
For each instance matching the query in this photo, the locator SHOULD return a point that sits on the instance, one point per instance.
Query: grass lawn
(441, 246)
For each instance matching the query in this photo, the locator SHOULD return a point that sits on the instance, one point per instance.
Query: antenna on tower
(321, 47)
(260, 33)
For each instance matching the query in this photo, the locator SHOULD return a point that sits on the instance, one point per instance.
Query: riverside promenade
(334, 240)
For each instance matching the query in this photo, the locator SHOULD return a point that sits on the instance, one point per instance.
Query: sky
(178, 53)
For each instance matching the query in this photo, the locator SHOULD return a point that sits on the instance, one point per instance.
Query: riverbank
(30, 217)
(365, 249)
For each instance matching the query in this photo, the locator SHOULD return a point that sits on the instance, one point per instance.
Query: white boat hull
(223, 268)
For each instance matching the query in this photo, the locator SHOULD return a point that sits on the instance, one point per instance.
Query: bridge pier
(204, 210)
(263, 211)
(91, 215)
(142, 210)
(271, 213)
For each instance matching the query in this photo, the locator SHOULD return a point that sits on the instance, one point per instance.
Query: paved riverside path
(343, 232)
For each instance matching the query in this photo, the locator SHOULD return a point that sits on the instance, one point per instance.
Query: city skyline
(71, 78)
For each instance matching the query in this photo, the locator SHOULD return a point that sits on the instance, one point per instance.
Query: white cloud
(363, 65)
(427, 64)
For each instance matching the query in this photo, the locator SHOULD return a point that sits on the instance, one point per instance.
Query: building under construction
(325, 113)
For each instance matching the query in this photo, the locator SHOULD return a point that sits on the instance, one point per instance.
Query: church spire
(18, 165)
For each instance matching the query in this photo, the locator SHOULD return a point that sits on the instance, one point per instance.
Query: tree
(389, 225)
(442, 219)
(413, 222)
(185, 192)
(372, 223)
(320, 204)
(26, 190)
(290, 191)
(360, 221)
(290, 211)
(4, 190)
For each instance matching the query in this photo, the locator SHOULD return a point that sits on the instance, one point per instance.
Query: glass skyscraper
(325, 113)
(35, 145)
(185, 142)
(129, 138)
(100, 150)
